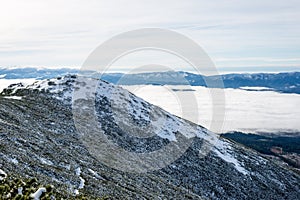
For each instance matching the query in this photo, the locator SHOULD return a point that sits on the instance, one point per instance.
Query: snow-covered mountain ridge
(38, 138)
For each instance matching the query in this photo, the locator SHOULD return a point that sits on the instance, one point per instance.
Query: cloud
(246, 111)
(66, 32)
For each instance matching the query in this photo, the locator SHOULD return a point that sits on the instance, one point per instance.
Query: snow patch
(20, 190)
(38, 193)
(166, 128)
(95, 174)
(76, 192)
(3, 175)
(82, 181)
(45, 161)
(4, 83)
(13, 97)
(78, 171)
(224, 151)
(81, 185)
(14, 160)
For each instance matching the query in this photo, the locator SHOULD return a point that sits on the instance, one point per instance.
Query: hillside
(39, 138)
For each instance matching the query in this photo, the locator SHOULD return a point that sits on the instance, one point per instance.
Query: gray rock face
(38, 137)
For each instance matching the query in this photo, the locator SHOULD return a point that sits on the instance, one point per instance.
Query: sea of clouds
(245, 111)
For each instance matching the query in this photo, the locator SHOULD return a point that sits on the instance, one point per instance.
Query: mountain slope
(39, 138)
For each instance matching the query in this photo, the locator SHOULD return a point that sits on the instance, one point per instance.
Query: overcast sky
(239, 35)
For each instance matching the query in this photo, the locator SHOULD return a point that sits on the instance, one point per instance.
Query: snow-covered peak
(129, 111)
(61, 87)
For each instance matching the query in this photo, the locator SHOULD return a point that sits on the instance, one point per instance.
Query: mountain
(40, 138)
(36, 73)
(280, 82)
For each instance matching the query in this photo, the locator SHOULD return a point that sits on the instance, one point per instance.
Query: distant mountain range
(25, 73)
(279, 82)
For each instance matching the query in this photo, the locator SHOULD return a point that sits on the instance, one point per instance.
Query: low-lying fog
(246, 111)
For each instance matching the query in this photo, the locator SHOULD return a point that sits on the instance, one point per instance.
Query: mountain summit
(40, 138)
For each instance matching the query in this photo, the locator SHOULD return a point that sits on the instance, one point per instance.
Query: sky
(238, 35)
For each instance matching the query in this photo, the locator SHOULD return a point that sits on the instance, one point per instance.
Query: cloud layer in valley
(246, 111)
